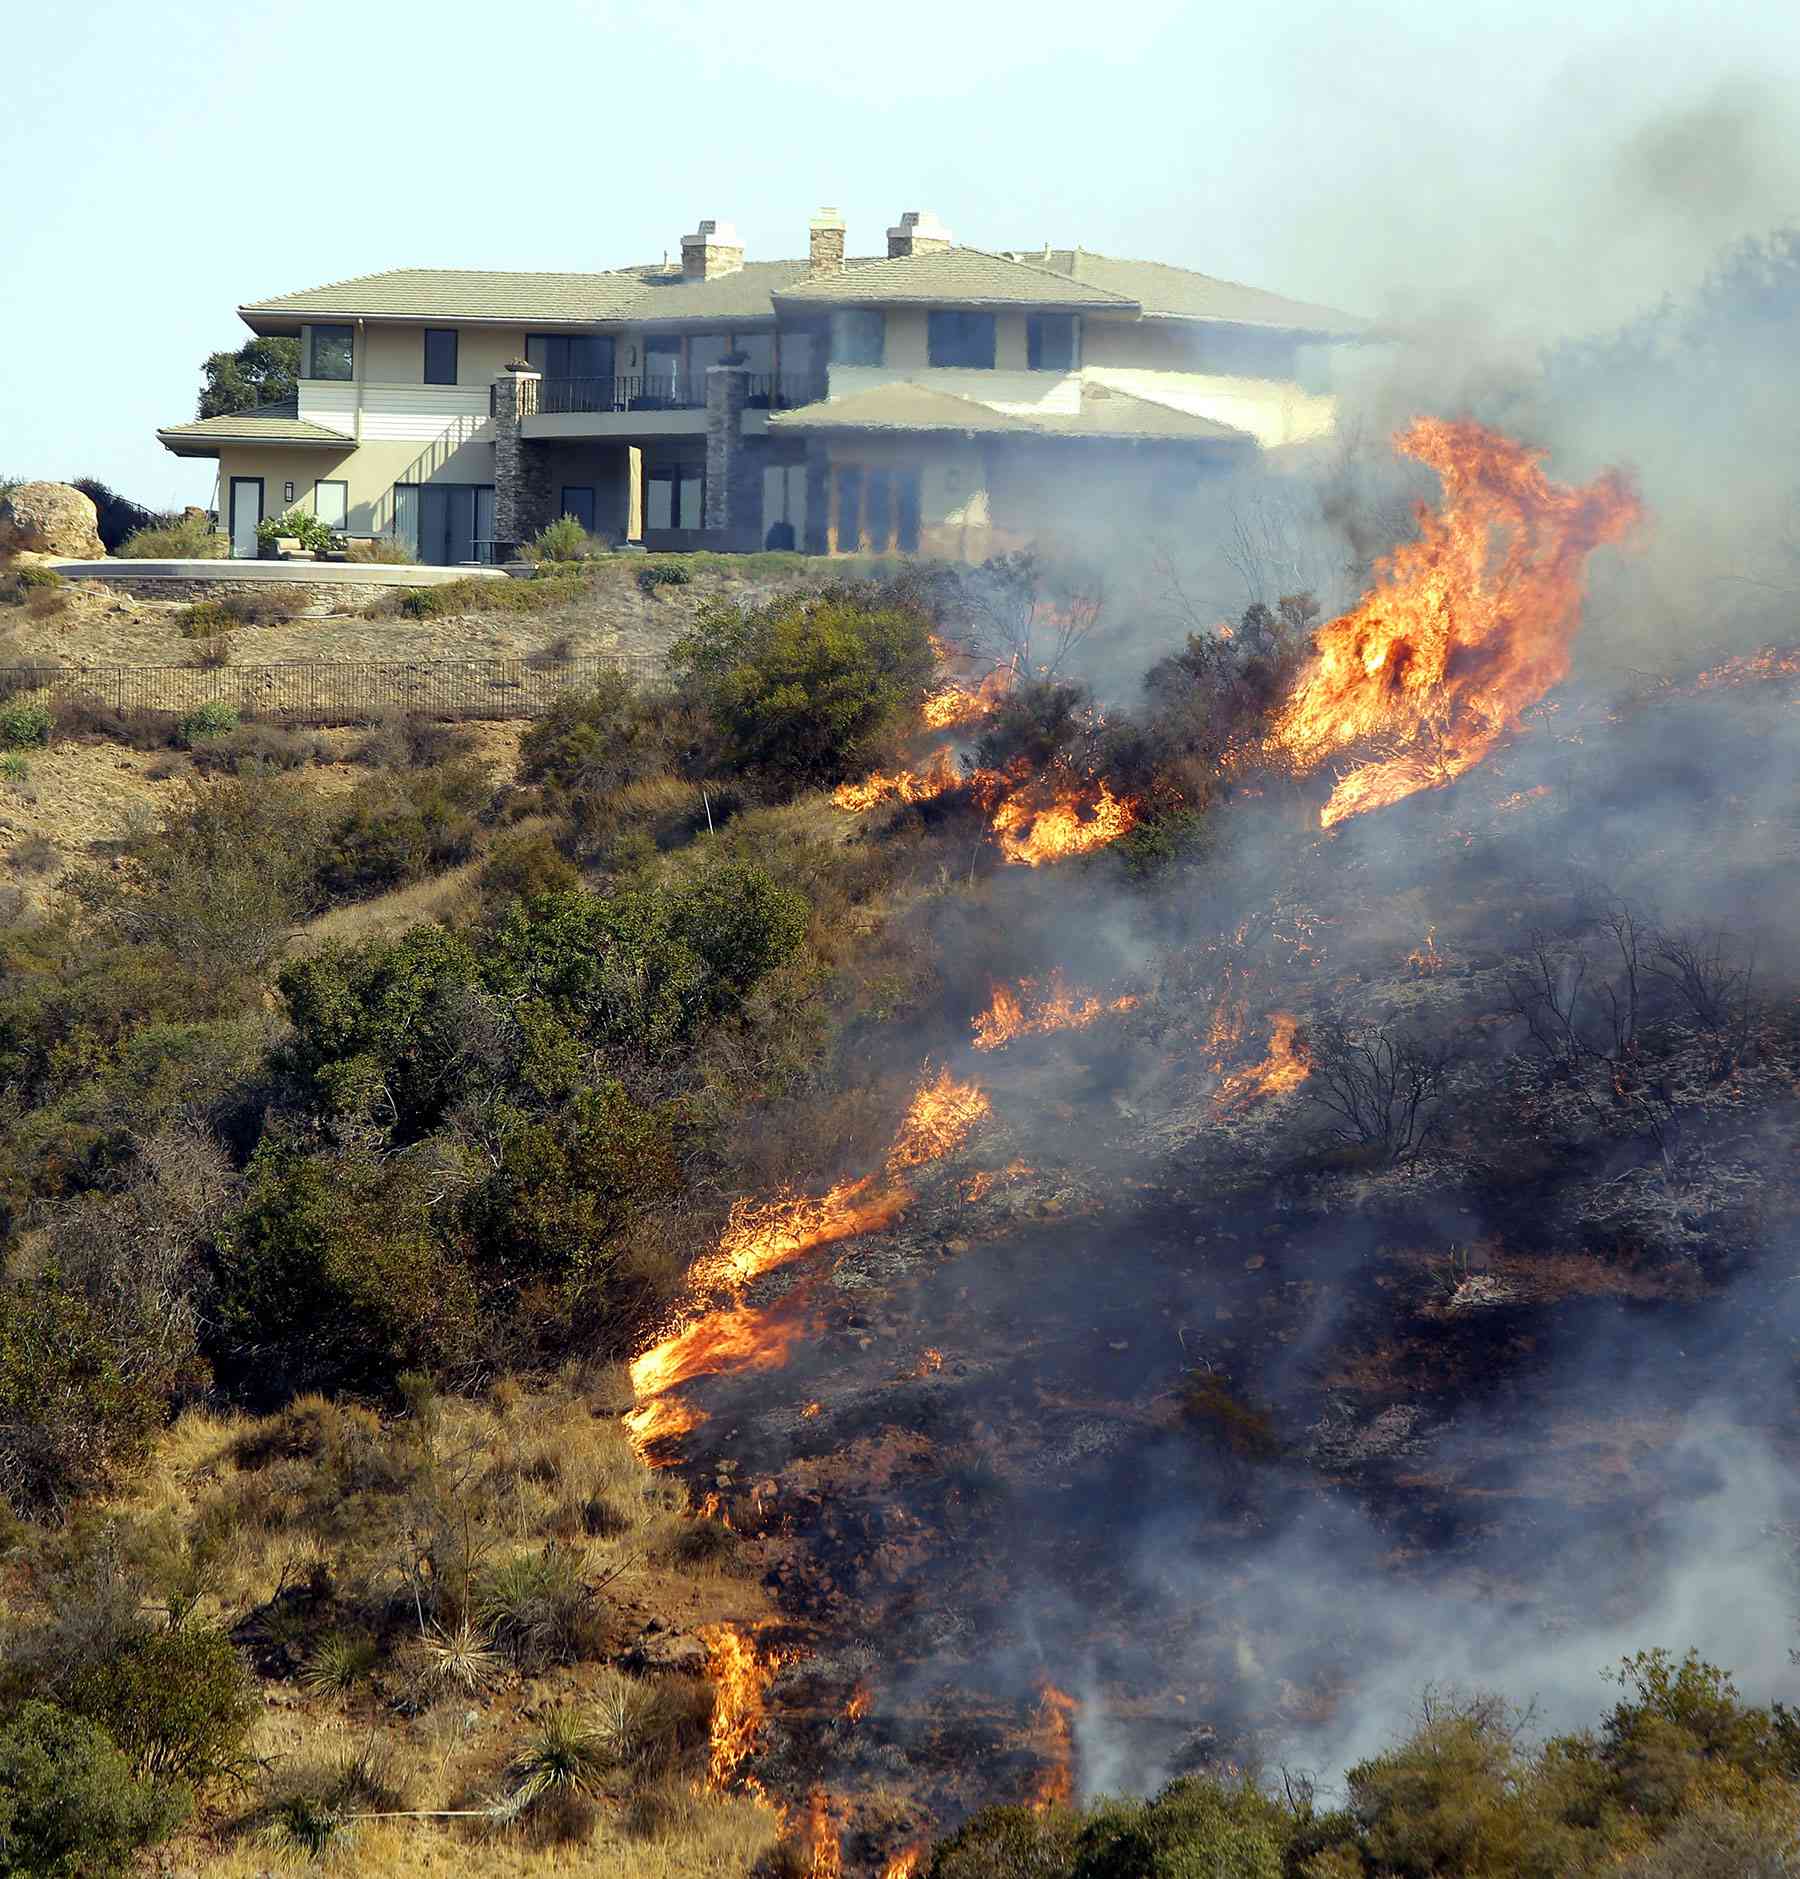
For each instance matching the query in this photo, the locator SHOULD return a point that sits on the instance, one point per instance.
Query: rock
(50, 519)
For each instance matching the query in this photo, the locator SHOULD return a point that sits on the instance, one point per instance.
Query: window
(1050, 342)
(674, 496)
(570, 355)
(962, 339)
(331, 504)
(857, 336)
(440, 355)
(331, 352)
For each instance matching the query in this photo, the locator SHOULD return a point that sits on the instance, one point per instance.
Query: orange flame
(904, 1864)
(1031, 1012)
(1053, 1735)
(1754, 668)
(824, 1846)
(1286, 1067)
(1437, 662)
(1426, 959)
(1043, 820)
(961, 703)
(761, 1236)
(740, 1675)
(940, 773)
(858, 1706)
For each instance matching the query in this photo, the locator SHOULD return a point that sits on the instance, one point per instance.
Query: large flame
(1285, 1067)
(761, 1236)
(1033, 1008)
(1053, 1738)
(1465, 627)
(740, 1675)
(940, 774)
(960, 703)
(1051, 819)
(905, 1863)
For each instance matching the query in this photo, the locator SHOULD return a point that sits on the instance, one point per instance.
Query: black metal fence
(310, 692)
(763, 391)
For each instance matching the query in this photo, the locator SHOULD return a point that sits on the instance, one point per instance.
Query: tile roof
(1180, 293)
(953, 277)
(271, 424)
(907, 407)
(654, 294)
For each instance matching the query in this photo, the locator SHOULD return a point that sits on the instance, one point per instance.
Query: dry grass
(307, 1525)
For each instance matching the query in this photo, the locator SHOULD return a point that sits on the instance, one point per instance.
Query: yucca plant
(460, 1658)
(532, 1605)
(339, 1662)
(564, 1756)
(315, 1807)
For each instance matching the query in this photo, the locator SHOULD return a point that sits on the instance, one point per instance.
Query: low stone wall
(352, 596)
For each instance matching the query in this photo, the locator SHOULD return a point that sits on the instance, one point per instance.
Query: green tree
(70, 1806)
(260, 372)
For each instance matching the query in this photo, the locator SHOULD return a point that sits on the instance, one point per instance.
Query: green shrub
(526, 867)
(176, 538)
(33, 579)
(70, 1806)
(299, 525)
(806, 689)
(655, 574)
(75, 1409)
(598, 739)
(562, 540)
(212, 719)
(14, 768)
(333, 1276)
(1007, 1843)
(23, 725)
(1194, 1827)
(177, 1700)
(398, 828)
(568, 1186)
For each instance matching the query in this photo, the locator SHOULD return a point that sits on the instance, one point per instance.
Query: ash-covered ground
(1179, 1391)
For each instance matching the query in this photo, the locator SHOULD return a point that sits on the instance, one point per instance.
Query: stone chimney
(825, 242)
(713, 249)
(920, 232)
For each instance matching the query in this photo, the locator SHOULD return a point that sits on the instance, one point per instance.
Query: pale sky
(1541, 164)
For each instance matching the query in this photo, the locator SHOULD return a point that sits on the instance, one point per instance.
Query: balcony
(676, 391)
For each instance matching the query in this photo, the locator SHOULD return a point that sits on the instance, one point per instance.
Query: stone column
(521, 487)
(733, 509)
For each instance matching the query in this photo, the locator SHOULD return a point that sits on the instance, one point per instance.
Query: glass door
(246, 512)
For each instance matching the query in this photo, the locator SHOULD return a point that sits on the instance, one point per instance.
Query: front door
(578, 501)
(246, 512)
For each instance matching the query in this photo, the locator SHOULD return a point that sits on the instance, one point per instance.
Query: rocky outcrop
(50, 519)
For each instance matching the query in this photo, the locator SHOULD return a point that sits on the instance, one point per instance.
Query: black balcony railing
(674, 391)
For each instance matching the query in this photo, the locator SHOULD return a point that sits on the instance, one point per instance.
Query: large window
(1050, 342)
(961, 339)
(440, 355)
(331, 352)
(858, 336)
(331, 504)
(570, 355)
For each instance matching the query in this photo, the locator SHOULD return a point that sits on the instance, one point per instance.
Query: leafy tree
(261, 371)
(805, 689)
(70, 1806)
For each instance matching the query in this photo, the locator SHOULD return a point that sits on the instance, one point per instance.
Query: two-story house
(937, 398)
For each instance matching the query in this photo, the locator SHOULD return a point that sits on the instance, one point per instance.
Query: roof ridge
(1049, 273)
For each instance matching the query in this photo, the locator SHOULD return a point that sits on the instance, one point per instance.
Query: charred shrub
(806, 690)
(407, 741)
(258, 746)
(1038, 723)
(1235, 1426)
(1384, 1089)
(82, 714)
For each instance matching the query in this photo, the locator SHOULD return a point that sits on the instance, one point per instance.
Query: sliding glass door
(456, 523)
